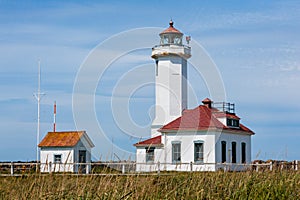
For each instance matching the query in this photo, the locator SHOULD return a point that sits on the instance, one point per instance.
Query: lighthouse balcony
(171, 49)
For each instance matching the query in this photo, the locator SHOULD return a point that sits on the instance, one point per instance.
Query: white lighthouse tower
(170, 77)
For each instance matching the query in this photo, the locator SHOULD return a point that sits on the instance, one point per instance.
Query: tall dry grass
(196, 185)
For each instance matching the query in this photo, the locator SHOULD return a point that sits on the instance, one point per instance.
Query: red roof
(171, 29)
(156, 141)
(201, 118)
(62, 139)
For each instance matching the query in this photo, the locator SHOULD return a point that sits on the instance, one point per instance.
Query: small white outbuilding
(60, 151)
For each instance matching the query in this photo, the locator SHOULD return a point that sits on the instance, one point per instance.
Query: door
(81, 160)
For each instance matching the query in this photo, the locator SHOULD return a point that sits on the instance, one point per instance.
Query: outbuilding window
(57, 158)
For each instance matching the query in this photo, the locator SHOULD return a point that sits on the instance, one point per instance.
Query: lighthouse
(182, 139)
(170, 77)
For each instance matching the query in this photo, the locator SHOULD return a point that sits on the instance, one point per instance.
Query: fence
(254, 166)
(21, 168)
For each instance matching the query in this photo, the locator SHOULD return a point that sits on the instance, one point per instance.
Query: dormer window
(233, 122)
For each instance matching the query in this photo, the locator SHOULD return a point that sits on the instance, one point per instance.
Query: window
(167, 39)
(176, 151)
(243, 152)
(150, 154)
(198, 152)
(223, 147)
(236, 123)
(229, 122)
(233, 152)
(164, 40)
(57, 158)
(233, 123)
(82, 156)
(177, 40)
(156, 71)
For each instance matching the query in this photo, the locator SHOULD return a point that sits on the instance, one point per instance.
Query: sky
(255, 46)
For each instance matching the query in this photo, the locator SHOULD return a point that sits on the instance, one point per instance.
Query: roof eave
(187, 130)
(175, 32)
(208, 129)
(238, 131)
(57, 146)
(147, 145)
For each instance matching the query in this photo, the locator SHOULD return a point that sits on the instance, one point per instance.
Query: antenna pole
(38, 96)
(38, 110)
(54, 119)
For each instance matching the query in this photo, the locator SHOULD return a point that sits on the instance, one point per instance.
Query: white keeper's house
(60, 150)
(206, 138)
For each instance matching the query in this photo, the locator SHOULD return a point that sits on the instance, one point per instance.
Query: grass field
(197, 185)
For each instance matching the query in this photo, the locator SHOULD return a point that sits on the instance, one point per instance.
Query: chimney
(207, 102)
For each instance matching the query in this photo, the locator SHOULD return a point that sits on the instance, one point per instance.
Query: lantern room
(171, 36)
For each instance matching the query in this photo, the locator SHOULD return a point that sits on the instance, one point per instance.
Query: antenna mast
(54, 118)
(38, 98)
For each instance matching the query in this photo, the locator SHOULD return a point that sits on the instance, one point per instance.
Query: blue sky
(254, 44)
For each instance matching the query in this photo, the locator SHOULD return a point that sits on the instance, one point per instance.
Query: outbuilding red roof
(62, 139)
(155, 141)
